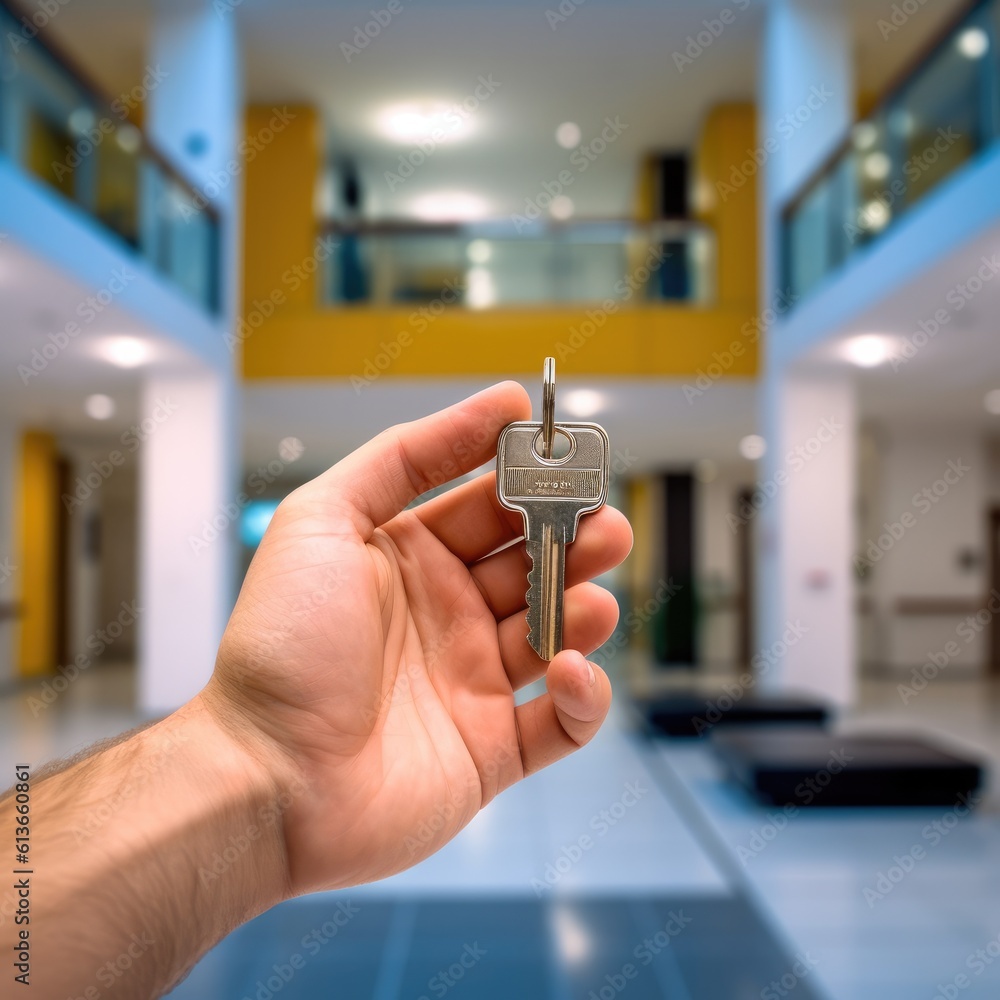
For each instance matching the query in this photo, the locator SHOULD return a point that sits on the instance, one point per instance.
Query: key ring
(548, 407)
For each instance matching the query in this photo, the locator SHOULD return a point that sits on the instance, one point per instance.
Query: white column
(195, 113)
(805, 589)
(806, 105)
(189, 467)
(187, 525)
(806, 583)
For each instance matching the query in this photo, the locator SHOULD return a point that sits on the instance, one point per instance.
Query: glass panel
(944, 115)
(573, 263)
(52, 126)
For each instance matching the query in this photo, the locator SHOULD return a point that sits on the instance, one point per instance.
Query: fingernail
(591, 676)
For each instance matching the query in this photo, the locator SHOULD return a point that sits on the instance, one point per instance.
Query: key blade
(546, 579)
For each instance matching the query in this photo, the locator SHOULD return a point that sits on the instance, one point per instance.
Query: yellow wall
(646, 340)
(38, 531)
(726, 197)
(298, 338)
(281, 181)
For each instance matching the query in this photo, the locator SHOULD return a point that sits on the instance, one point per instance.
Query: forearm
(142, 857)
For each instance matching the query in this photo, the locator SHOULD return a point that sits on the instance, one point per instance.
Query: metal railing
(58, 127)
(942, 114)
(489, 265)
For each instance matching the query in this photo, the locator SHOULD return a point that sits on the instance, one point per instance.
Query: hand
(374, 653)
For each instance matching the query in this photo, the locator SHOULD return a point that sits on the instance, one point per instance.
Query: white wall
(923, 561)
(187, 525)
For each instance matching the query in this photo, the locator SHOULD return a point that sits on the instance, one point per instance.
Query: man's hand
(372, 659)
(361, 712)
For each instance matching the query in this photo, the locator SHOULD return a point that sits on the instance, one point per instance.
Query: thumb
(378, 480)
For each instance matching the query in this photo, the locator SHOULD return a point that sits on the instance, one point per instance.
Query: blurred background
(760, 238)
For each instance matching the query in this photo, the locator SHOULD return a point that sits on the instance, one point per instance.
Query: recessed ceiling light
(125, 352)
(479, 251)
(568, 135)
(450, 206)
(875, 215)
(433, 120)
(992, 402)
(480, 291)
(562, 207)
(869, 350)
(290, 449)
(973, 43)
(752, 447)
(129, 138)
(99, 406)
(865, 135)
(583, 402)
(877, 165)
(81, 120)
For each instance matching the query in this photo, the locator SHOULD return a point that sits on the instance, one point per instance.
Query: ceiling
(608, 59)
(38, 303)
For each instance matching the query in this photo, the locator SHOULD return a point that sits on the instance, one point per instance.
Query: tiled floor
(678, 947)
(793, 914)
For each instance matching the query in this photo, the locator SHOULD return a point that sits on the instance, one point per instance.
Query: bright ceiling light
(290, 449)
(450, 206)
(753, 447)
(99, 406)
(561, 207)
(125, 352)
(433, 120)
(479, 251)
(865, 135)
(480, 292)
(973, 43)
(568, 135)
(81, 120)
(877, 165)
(992, 402)
(583, 402)
(129, 139)
(869, 350)
(875, 215)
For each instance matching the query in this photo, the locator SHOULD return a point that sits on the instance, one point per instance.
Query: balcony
(496, 264)
(941, 116)
(60, 129)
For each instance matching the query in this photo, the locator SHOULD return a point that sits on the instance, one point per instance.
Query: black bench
(692, 714)
(818, 768)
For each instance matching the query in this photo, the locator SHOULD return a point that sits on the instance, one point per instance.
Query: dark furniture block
(810, 768)
(691, 714)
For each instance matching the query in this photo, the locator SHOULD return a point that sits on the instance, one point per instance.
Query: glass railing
(942, 115)
(487, 265)
(61, 130)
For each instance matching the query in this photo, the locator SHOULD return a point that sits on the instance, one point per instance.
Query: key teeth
(534, 613)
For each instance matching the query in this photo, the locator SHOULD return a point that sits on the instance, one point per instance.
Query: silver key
(552, 495)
